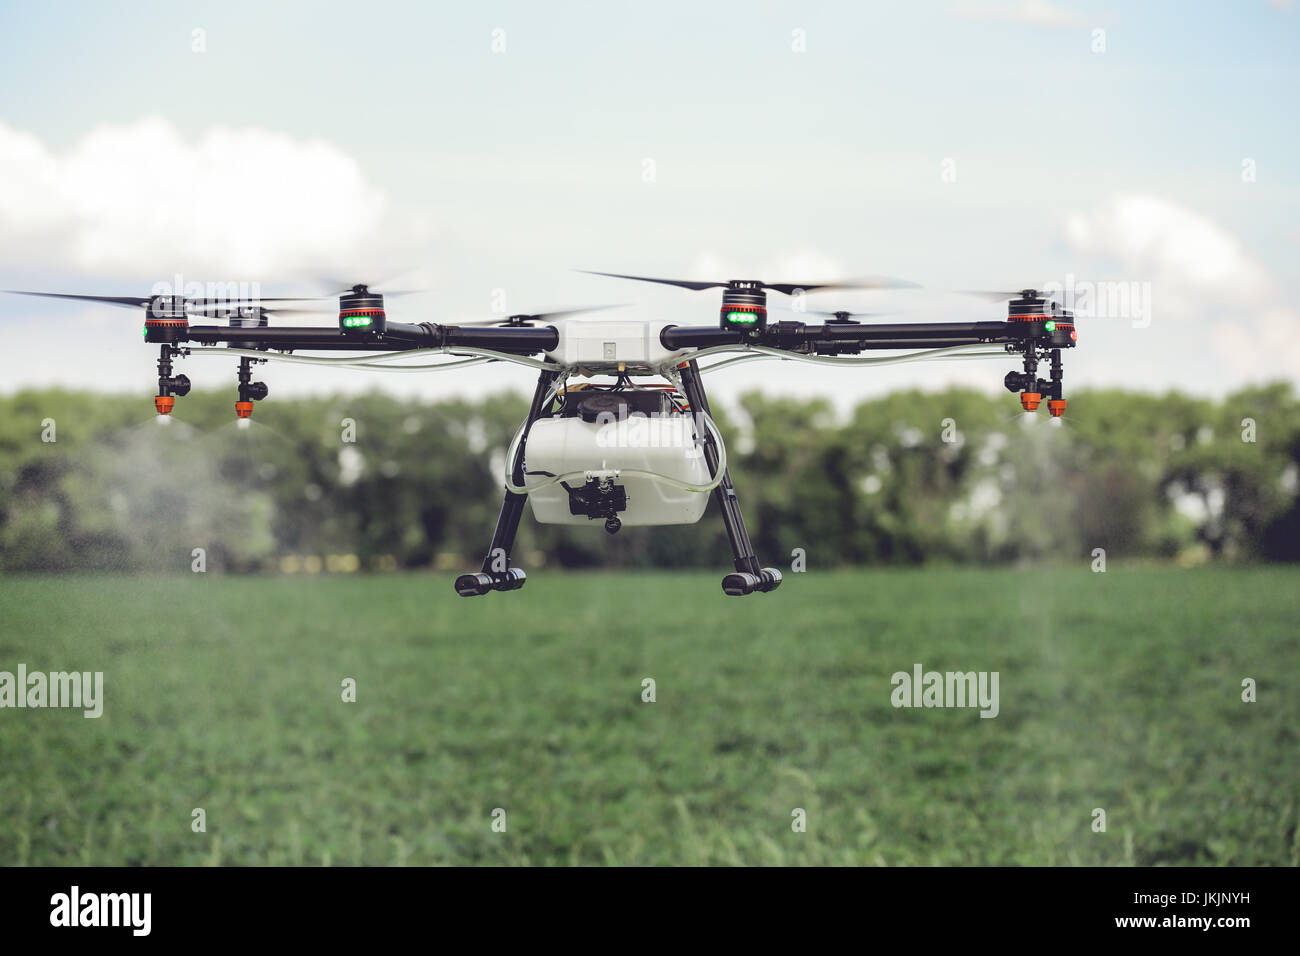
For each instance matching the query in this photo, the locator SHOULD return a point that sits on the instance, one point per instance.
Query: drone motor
(166, 319)
(744, 307)
(248, 317)
(361, 312)
(1057, 322)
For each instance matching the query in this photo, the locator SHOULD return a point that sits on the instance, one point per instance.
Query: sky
(1145, 156)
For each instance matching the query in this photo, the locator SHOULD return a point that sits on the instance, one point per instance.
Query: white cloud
(1156, 240)
(799, 266)
(1205, 284)
(1034, 12)
(1272, 341)
(142, 200)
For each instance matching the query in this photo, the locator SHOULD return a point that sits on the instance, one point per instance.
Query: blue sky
(391, 138)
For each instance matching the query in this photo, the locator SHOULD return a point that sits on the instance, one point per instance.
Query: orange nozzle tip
(164, 404)
(1029, 400)
(1056, 406)
(244, 409)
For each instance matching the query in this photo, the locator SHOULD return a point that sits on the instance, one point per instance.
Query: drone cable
(382, 362)
(505, 357)
(892, 360)
(756, 351)
(334, 362)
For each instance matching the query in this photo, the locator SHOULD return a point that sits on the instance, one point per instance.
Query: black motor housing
(361, 312)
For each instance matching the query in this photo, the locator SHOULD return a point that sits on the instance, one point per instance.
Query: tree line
(373, 482)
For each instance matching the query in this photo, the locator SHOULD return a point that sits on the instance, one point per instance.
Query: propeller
(788, 288)
(138, 302)
(241, 308)
(329, 279)
(134, 302)
(999, 296)
(363, 288)
(515, 321)
(842, 316)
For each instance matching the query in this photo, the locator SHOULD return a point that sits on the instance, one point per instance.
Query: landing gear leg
(748, 576)
(496, 574)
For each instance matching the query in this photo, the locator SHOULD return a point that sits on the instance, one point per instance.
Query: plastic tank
(662, 444)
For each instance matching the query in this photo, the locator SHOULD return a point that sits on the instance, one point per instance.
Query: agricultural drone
(634, 443)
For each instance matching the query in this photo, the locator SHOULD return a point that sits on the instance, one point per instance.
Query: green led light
(1050, 326)
(356, 321)
(748, 318)
(145, 330)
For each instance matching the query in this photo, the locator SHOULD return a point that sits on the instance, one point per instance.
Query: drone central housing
(594, 343)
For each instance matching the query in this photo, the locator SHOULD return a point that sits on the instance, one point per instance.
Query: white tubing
(952, 351)
(379, 362)
(888, 360)
(336, 363)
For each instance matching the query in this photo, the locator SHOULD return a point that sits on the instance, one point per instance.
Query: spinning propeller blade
(134, 302)
(362, 286)
(191, 305)
(845, 316)
(222, 307)
(371, 284)
(862, 282)
(1002, 296)
(680, 283)
(788, 288)
(524, 319)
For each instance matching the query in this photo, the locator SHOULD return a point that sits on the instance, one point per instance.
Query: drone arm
(1034, 340)
(523, 341)
(838, 337)
(397, 336)
(276, 338)
(834, 338)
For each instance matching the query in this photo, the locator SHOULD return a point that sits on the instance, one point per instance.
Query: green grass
(1118, 690)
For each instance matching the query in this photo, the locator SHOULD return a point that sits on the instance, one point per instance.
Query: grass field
(1119, 690)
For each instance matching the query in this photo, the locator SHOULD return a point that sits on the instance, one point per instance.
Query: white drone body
(638, 453)
(603, 345)
(648, 454)
(655, 455)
